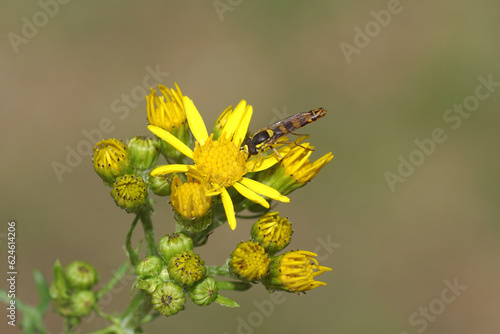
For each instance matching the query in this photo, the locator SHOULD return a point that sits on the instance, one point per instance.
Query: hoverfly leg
(257, 160)
(305, 148)
(276, 152)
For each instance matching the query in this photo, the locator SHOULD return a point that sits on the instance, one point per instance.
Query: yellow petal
(172, 140)
(264, 190)
(228, 208)
(323, 160)
(235, 119)
(168, 169)
(242, 130)
(251, 195)
(314, 168)
(214, 192)
(222, 119)
(177, 94)
(261, 163)
(195, 121)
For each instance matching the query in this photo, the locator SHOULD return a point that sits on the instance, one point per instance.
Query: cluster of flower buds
(175, 273)
(125, 169)
(255, 260)
(71, 289)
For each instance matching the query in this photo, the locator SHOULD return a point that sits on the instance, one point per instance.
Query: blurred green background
(392, 250)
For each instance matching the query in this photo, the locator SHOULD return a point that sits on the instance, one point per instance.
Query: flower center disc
(219, 161)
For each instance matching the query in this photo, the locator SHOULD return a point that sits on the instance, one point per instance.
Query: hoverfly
(271, 135)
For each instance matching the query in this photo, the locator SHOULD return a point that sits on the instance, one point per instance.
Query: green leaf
(59, 289)
(224, 301)
(219, 270)
(43, 290)
(134, 259)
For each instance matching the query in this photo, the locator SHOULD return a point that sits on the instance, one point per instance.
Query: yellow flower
(295, 169)
(219, 162)
(298, 165)
(272, 232)
(249, 261)
(167, 114)
(294, 271)
(191, 204)
(189, 199)
(111, 159)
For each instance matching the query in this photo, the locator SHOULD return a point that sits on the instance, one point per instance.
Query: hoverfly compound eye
(317, 113)
(252, 150)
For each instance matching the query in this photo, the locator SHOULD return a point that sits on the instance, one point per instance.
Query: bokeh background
(392, 250)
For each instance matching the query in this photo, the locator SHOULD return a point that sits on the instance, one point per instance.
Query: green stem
(140, 305)
(108, 330)
(128, 243)
(114, 280)
(218, 270)
(218, 218)
(147, 225)
(138, 309)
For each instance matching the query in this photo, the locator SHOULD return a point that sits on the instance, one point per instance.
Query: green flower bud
(160, 185)
(164, 275)
(111, 159)
(129, 192)
(204, 292)
(144, 152)
(272, 232)
(150, 266)
(82, 303)
(173, 244)
(59, 287)
(186, 268)
(147, 283)
(64, 307)
(249, 261)
(194, 225)
(168, 298)
(81, 275)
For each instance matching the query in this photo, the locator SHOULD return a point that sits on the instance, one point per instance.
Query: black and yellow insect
(271, 135)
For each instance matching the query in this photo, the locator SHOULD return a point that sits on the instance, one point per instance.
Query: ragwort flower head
(111, 159)
(168, 112)
(272, 232)
(294, 271)
(191, 205)
(220, 163)
(249, 261)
